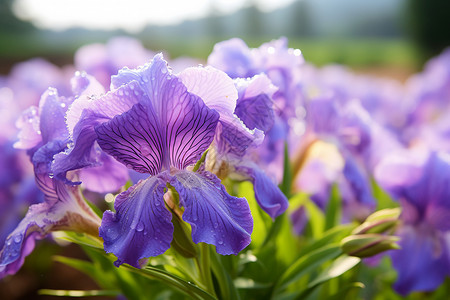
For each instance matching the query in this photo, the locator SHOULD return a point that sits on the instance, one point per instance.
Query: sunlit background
(366, 35)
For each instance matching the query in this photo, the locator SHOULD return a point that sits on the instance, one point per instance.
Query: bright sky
(131, 15)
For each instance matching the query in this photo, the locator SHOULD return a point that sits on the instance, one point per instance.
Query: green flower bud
(379, 222)
(365, 245)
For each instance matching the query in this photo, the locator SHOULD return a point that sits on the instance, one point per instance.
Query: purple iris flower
(152, 124)
(420, 181)
(44, 133)
(236, 139)
(282, 66)
(104, 60)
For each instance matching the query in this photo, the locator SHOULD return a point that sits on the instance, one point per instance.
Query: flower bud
(366, 245)
(379, 222)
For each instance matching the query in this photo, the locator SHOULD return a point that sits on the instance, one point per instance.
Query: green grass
(350, 52)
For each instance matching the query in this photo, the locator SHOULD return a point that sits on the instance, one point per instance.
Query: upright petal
(216, 217)
(255, 105)
(141, 226)
(135, 139)
(215, 88)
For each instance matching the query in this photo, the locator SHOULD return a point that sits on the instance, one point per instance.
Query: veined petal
(191, 126)
(141, 226)
(215, 88)
(135, 139)
(216, 217)
(255, 105)
(178, 127)
(267, 193)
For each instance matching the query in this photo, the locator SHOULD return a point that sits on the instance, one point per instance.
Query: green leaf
(170, 280)
(305, 264)
(333, 210)
(338, 267)
(315, 214)
(227, 288)
(286, 184)
(80, 239)
(260, 220)
(78, 293)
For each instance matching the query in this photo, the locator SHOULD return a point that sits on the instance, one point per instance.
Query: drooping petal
(267, 193)
(141, 226)
(63, 209)
(421, 263)
(216, 217)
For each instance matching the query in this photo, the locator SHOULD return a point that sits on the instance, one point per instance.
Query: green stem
(205, 268)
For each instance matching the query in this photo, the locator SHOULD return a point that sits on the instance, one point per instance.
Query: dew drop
(112, 233)
(145, 150)
(8, 242)
(216, 225)
(220, 242)
(157, 203)
(63, 105)
(195, 218)
(145, 79)
(18, 238)
(136, 93)
(140, 226)
(153, 78)
(164, 70)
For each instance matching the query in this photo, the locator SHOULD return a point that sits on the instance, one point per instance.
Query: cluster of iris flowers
(179, 144)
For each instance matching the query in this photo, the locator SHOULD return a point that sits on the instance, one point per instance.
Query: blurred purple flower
(44, 134)
(104, 60)
(420, 181)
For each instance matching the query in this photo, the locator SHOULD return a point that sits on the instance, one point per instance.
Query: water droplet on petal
(164, 70)
(140, 226)
(216, 225)
(18, 238)
(8, 242)
(220, 242)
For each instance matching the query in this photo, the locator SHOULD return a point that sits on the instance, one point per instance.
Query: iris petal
(267, 193)
(216, 217)
(134, 138)
(63, 209)
(141, 226)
